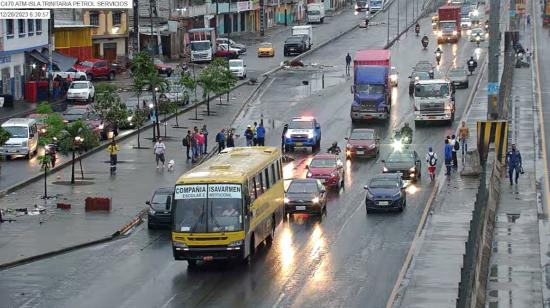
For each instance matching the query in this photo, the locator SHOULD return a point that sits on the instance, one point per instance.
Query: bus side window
(259, 185)
(273, 174)
(279, 173)
(252, 189)
(266, 179)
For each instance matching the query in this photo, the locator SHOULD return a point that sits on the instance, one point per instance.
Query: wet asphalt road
(347, 259)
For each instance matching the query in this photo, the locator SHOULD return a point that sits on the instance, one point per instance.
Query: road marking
(541, 121)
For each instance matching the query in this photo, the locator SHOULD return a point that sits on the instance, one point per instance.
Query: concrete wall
(26, 42)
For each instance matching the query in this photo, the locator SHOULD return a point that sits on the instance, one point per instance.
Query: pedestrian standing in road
(456, 146)
(463, 135)
(283, 136)
(194, 147)
(249, 135)
(113, 152)
(431, 159)
(204, 132)
(348, 64)
(159, 150)
(200, 143)
(260, 134)
(513, 159)
(448, 156)
(230, 139)
(220, 139)
(186, 142)
(255, 134)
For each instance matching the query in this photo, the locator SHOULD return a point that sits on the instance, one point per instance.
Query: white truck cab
(434, 100)
(316, 12)
(238, 68)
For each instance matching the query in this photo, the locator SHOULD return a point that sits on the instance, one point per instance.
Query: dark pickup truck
(295, 44)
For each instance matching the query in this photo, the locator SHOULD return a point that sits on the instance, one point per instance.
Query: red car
(162, 68)
(363, 142)
(328, 168)
(95, 68)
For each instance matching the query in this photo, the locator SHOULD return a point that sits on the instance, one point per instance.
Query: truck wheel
(111, 76)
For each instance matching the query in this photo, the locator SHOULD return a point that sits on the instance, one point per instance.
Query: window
(279, 173)
(273, 174)
(38, 26)
(94, 18)
(30, 27)
(117, 17)
(251, 189)
(9, 28)
(266, 179)
(21, 27)
(259, 184)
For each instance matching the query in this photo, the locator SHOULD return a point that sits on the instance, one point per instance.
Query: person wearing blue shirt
(220, 139)
(448, 156)
(260, 134)
(513, 159)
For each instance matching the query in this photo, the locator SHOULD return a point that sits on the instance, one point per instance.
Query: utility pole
(51, 45)
(406, 13)
(151, 45)
(136, 27)
(398, 18)
(216, 19)
(262, 18)
(494, 52)
(388, 26)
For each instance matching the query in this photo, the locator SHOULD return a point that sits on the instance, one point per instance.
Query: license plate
(301, 208)
(299, 144)
(207, 258)
(360, 152)
(431, 117)
(383, 203)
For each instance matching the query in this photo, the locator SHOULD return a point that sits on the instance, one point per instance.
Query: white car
(478, 34)
(224, 40)
(81, 91)
(75, 75)
(237, 68)
(465, 23)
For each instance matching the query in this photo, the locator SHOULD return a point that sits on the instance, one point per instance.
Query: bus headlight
(235, 243)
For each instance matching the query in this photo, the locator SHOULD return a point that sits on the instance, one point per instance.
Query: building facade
(109, 33)
(21, 43)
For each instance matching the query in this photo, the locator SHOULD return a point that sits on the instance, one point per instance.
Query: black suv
(295, 44)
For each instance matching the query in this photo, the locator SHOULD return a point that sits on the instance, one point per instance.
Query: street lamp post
(76, 144)
(156, 111)
(154, 118)
(388, 26)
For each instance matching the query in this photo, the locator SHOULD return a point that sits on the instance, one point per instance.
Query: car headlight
(179, 245)
(348, 146)
(286, 200)
(397, 195)
(416, 78)
(333, 174)
(385, 169)
(151, 211)
(412, 169)
(315, 200)
(310, 135)
(478, 38)
(440, 34)
(372, 146)
(287, 135)
(369, 195)
(308, 175)
(356, 6)
(449, 106)
(454, 32)
(393, 77)
(235, 243)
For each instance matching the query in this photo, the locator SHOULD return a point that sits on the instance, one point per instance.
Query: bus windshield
(208, 208)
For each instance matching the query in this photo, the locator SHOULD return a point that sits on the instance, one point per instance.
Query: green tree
(77, 137)
(4, 136)
(54, 126)
(44, 108)
(207, 81)
(224, 79)
(109, 106)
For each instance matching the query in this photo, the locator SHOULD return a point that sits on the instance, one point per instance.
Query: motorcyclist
(51, 151)
(334, 149)
(417, 29)
(425, 40)
(406, 131)
(472, 64)
(438, 53)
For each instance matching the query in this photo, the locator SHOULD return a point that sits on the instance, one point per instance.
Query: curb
(104, 145)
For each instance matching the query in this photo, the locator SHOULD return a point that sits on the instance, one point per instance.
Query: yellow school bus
(227, 206)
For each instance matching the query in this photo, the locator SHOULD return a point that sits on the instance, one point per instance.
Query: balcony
(223, 7)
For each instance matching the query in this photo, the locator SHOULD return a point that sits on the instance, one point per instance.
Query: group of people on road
(225, 139)
(196, 143)
(452, 146)
(255, 135)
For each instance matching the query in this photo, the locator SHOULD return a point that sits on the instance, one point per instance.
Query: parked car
(160, 208)
(81, 91)
(224, 51)
(327, 168)
(406, 162)
(458, 77)
(75, 75)
(415, 77)
(305, 196)
(295, 44)
(385, 192)
(266, 50)
(162, 68)
(83, 112)
(233, 44)
(363, 142)
(238, 68)
(95, 68)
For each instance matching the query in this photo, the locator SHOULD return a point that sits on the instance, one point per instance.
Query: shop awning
(38, 57)
(62, 61)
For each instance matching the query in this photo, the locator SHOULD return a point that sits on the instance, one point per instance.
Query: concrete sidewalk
(136, 179)
(515, 273)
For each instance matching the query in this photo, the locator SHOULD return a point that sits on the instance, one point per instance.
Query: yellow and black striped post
(492, 132)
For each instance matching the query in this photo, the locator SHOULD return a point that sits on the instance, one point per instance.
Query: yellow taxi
(266, 50)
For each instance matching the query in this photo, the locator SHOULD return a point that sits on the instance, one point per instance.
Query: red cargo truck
(449, 24)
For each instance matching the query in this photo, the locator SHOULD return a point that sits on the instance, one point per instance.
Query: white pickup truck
(434, 101)
(75, 75)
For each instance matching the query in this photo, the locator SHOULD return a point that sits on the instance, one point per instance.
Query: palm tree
(75, 138)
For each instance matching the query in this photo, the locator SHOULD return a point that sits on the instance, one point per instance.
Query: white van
(24, 137)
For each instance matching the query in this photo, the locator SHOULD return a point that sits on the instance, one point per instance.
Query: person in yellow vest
(113, 152)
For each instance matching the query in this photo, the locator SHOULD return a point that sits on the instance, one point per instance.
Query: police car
(303, 132)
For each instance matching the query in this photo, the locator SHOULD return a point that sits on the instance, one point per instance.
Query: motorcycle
(417, 30)
(51, 151)
(425, 43)
(438, 57)
(478, 40)
(335, 151)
